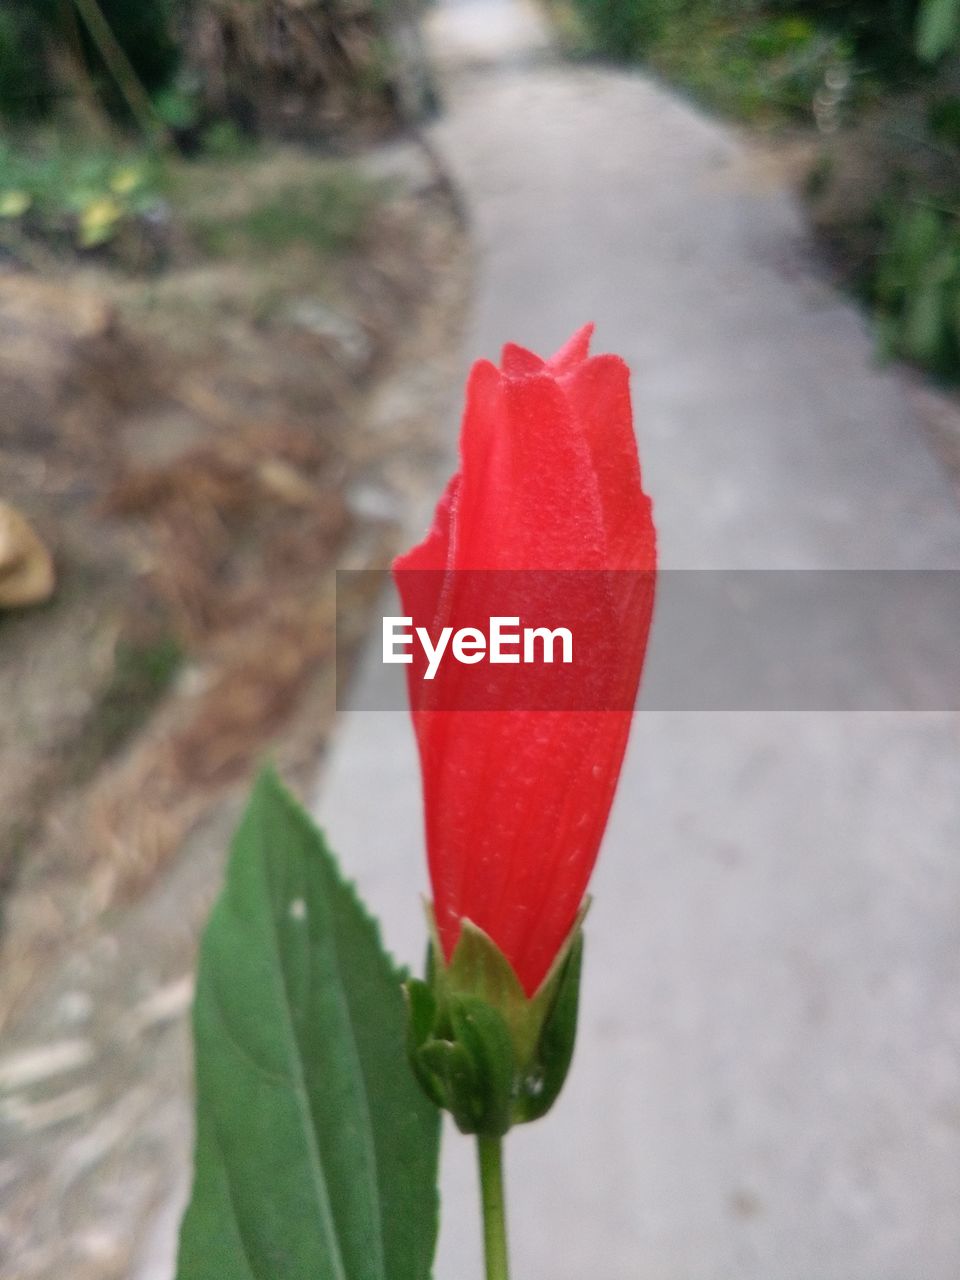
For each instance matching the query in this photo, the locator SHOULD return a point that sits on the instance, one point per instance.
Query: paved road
(767, 1085)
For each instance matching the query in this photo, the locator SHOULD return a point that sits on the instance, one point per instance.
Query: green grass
(142, 674)
(915, 287)
(744, 61)
(73, 194)
(326, 215)
(773, 68)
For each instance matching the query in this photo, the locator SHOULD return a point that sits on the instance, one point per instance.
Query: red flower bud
(516, 799)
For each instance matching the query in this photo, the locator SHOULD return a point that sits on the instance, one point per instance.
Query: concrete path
(767, 1085)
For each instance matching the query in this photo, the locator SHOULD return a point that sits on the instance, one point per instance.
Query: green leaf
(421, 1013)
(479, 968)
(548, 1072)
(887, 330)
(938, 28)
(922, 236)
(455, 1078)
(316, 1154)
(485, 1037)
(924, 322)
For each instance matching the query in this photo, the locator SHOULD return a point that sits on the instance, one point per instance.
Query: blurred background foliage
(97, 97)
(46, 46)
(93, 93)
(879, 82)
(771, 56)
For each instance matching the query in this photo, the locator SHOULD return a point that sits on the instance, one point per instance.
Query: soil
(199, 449)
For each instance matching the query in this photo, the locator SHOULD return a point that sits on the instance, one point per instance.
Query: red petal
(516, 803)
(573, 352)
(529, 498)
(438, 546)
(518, 361)
(599, 394)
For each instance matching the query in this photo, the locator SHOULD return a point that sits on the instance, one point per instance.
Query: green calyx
(480, 1047)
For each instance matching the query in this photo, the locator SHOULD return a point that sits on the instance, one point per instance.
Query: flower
(516, 797)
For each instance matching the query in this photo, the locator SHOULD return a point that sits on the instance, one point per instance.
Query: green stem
(490, 1152)
(121, 68)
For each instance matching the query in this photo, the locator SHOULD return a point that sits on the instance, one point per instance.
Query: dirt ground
(199, 447)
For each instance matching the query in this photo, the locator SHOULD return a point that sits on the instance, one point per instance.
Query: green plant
(73, 196)
(23, 88)
(125, 48)
(752, 63)
(711, 44)
(178, 106)
(316, 1153)
(325, 215)
(223, 140)
(881, 31)
(142, 673)
(627, 30)
(917, 287)
(938, 28)
(943, 119)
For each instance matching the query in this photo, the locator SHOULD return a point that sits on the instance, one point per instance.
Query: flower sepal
(479, 1046)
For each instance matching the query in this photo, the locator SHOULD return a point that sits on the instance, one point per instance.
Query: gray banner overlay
(753, 640)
